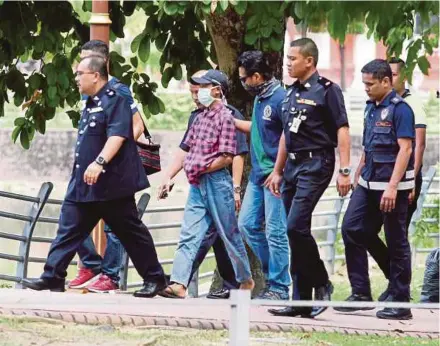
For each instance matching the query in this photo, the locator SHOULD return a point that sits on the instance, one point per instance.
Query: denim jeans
(210, 202)
(111, 264)
(271, 246)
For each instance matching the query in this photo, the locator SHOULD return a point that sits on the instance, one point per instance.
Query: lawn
(18, 331)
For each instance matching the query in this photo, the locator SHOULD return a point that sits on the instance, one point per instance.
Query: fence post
(332, 235)
(123, 273)
(193, 287)
(430, 174)
(34, 213)
(239, 323)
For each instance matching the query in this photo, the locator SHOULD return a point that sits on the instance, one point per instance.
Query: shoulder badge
(384, 113)
(267, 112)
(396, 100)
(110, 92)
(326, 83)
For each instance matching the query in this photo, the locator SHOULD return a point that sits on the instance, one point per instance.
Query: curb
(138, 321)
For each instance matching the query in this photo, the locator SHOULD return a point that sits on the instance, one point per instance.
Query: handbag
(149, 154)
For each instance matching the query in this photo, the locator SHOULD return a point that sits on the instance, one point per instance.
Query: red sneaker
(103, 285)
(83, 278)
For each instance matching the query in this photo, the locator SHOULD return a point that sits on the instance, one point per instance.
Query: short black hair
(307, 47)
(379, 68)
(96, 63)
(256, 61)
(97, 46)
(398, 61)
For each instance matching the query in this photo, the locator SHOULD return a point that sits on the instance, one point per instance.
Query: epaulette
(325, 82)
(110, 92)
(396, 100)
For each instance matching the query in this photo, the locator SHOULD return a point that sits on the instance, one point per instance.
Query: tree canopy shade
(187, 33)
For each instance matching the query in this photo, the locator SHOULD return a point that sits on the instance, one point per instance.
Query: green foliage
(428, 224)
(52, 34)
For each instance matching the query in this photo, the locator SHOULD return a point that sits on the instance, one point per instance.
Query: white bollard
(239, 321)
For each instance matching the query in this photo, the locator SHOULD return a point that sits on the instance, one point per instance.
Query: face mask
(253, 89)
(204, 96)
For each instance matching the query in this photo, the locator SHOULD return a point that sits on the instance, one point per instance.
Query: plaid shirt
(211, 134)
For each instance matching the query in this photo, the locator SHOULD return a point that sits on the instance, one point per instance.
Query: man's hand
(388, 201)
(273, 183)
(92, 173)
(411, 196)
(343, 184)
(237, 199)
(164, 189)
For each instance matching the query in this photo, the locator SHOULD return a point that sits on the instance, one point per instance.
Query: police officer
(315, 122)
(107, 172)
(381, 196)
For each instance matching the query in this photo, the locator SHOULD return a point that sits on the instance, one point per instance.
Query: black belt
(302, 155)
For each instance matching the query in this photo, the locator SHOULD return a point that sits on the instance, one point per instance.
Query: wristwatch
(237, 189)
(100, 161)
(345, 171)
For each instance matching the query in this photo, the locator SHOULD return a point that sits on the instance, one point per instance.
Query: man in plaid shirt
(212, 145)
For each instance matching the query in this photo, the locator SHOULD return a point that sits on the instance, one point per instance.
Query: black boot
(322, 293)
(43, 284)
(356, 298)
(394, 313)
(292, 312)
(150, 289)
(384, 295)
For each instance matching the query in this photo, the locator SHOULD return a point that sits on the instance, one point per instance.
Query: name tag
(383, 124)
(95, 110)
(306, 102)
(295, 125)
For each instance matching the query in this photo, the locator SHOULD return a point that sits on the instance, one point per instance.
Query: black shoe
(149, 290)
(43, 284)
(356, 298)
(394, 314)
(222, 293)
(384, 295)
(292, 312)
(322, 293)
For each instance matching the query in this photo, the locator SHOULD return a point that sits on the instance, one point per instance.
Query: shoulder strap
(326, 83)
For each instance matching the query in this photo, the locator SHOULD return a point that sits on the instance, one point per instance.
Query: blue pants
(304, 183)
(271, 245)
(77, 221)
(361, 225)
(111, 264)
(210, 203)
(224, 265)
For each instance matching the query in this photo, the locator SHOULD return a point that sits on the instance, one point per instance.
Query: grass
(17, 331)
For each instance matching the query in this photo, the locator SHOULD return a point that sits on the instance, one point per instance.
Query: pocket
(383, 166)
(208, 144)
(382, 136)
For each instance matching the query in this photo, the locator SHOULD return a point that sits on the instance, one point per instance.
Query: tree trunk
(227, 33)
(342, 60)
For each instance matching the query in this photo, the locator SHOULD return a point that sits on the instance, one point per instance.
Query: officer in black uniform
(381, 196)
(315, 122)
(106, 174)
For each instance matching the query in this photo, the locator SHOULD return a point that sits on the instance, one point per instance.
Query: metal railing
(331, 228)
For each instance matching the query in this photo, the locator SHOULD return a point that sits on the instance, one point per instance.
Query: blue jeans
(111, 264)
(271, 246)
(210, 202)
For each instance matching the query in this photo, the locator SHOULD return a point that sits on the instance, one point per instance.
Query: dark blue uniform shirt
(242, 147)
(384, 124)
(106, 114)
(313, 111)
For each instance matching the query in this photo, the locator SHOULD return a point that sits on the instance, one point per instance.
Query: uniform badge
(384, 114)
(307, 102)
(92, 124)
(267, 112)
(307, 85)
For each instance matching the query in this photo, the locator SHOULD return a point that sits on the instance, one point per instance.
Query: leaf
(24, 139)
(144, 49)
(240, 7)
(136, 41)
(63, 80)
(170, 7)
(252, 22)
(19, 121)
(31, 133)
(161, 105)
(161, 41)
(52, 92)
(15, 133)
(250, 38)
(166, 76)
(34, 81)
(153, 106)
(224, 4)
(177, 69)
(265, 31)
(146, 111)
(424, 64)
(134, 61)
(276, 44)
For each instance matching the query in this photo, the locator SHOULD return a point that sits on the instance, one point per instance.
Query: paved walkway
(123, 309)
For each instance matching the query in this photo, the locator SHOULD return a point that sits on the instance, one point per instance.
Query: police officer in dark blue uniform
(106, 174)
(381, 195)
(315, 122)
